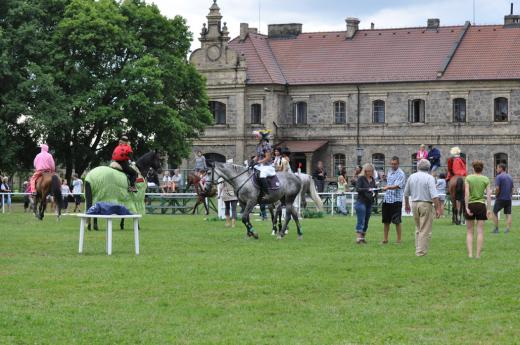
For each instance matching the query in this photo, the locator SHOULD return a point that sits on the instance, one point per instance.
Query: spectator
(166, 185)
(200, 162)
(434, 156)
(366, 189)
(26, 187)
(65, 192)
(177, 180)
(278, 160)
(422, 153)
(319, 176)
(393, 200)
(77, 190)
(354, 178)
(286, 159)
(503, 196)
(342, 198)
(420, 187)
(4, 188)
(475, 187)
(440, 185)
(227, 194)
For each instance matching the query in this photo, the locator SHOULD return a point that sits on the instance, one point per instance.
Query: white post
(352, 204)
(3, 203)
(333, 200)
(109, 236)
(136, 235)
(81, 234)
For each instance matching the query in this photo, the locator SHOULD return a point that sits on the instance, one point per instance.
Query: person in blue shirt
(434, 156)
(503, 196)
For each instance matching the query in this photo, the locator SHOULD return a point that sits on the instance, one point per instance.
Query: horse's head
(156, 162)
(151, 160)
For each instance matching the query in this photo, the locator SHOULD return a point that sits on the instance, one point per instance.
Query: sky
(329, 15)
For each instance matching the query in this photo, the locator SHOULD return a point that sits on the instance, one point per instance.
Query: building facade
(364, 95)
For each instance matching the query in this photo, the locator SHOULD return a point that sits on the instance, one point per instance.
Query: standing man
(319, 176)
(77, 189)
(393, 200)
(434, 156)
(421, 188)
(504, 195)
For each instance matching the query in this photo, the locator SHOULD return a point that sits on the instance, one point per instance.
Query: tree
(105, 68)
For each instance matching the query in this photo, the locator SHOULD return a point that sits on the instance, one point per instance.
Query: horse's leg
(88, 201)
(196, 205)
(288, 210)
(245, 219)
(35, 206)
(205, 206)
(294, 213)
(273, 214)
(122, 224)
(43, 206)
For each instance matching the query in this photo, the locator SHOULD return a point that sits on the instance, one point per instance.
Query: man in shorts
(504, 194)
(77, 189)
(393, 201)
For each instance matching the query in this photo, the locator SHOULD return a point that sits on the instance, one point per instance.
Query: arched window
(378, 111)
(414, 162)
(339, 159)
(501, 109)
(256, 114)
(300, 113)
(378, 161)
(500, 158)
(416, 110)
(459, 110)
(340, 112)
(218, 109)
(215, 157)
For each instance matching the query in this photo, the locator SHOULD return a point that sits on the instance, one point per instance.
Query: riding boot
(228, 224)
(264, 187)
(233, 223)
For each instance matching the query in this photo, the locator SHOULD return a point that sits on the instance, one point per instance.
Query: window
(218, 109)
(501, 109)
(300, 113)
(378, 161)
(416, 111)
(256, 114)
(339, 159)
(414, 162)
(378, 111)
(459, 110)
(500, 158)
(340, 112)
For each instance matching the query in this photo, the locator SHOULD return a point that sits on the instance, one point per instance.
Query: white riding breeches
(265, 170)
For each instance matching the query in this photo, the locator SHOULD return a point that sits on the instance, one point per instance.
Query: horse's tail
(56, 192)
(88, 195)
(313, 193)
(459, 187)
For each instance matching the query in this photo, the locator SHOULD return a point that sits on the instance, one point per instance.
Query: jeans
(342, 203)
(363, 212)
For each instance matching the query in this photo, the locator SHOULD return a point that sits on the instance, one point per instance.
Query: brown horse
(456, 191)
(47, 184)
(193, 180)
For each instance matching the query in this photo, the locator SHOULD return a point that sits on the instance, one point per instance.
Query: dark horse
(47, 184)
(148, 165)
(456, 191)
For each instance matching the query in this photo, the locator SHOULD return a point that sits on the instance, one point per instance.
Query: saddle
(273, 183)
(116, 166)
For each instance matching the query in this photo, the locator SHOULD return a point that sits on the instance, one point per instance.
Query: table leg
(109, 236)
(81, 234)
(136, 236)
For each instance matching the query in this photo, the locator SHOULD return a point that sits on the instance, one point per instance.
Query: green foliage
(307, 213)
(198, 282)
(90, 71)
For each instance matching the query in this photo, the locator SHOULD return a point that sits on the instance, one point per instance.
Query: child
(441, 187)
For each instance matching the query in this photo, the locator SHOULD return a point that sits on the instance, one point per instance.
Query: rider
(262, 161)
(122, 154)
(43, 163)
(457, 164)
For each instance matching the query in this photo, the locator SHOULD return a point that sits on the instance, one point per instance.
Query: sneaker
(495, 231)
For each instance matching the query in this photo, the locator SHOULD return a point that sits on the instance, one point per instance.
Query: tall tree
(107, 68)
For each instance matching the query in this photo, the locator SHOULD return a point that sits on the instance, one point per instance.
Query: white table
(83, 220)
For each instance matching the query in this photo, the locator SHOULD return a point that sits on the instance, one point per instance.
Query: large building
(376, 93)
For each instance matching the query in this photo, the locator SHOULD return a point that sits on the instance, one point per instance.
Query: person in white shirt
(77, 190)
(65, 192)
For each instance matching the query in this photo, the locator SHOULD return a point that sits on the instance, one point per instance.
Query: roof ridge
(276, 61)
(262, 60)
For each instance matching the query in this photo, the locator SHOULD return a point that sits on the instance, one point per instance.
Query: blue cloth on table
(107, 209)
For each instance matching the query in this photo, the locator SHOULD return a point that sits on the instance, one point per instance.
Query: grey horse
(241, 178)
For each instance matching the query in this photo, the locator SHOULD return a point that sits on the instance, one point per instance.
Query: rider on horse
(456, 174)
(456, 164)
(122, 154)
(262, 161)
(43, 163)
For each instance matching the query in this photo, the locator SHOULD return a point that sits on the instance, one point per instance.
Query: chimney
(372, 26)
(291, 30)
(352, 26)
(433, 23)
(244, 30)
(512, 20)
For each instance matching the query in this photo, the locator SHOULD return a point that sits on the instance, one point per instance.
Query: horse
(194, 180)
(110, 185)
(456, 192)
(47, 184)
(242, 180)
(308, 189)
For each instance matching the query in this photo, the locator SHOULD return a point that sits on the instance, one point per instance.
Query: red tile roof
(387, 55)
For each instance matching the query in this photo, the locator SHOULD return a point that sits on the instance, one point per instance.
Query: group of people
(424, 196)
(172, 183)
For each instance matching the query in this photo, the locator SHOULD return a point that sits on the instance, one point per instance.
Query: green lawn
(197, 282)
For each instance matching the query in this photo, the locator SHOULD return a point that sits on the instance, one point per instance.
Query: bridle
(229, 180)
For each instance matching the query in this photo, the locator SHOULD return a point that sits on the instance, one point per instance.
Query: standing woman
(475, 187)
(342, 186)
(278, 159)
(422, 153)
(230, 200)
(366, 189)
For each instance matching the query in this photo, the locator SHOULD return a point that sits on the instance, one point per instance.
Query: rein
(231, 179)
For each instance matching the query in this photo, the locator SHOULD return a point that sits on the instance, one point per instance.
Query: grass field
(197, 282)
